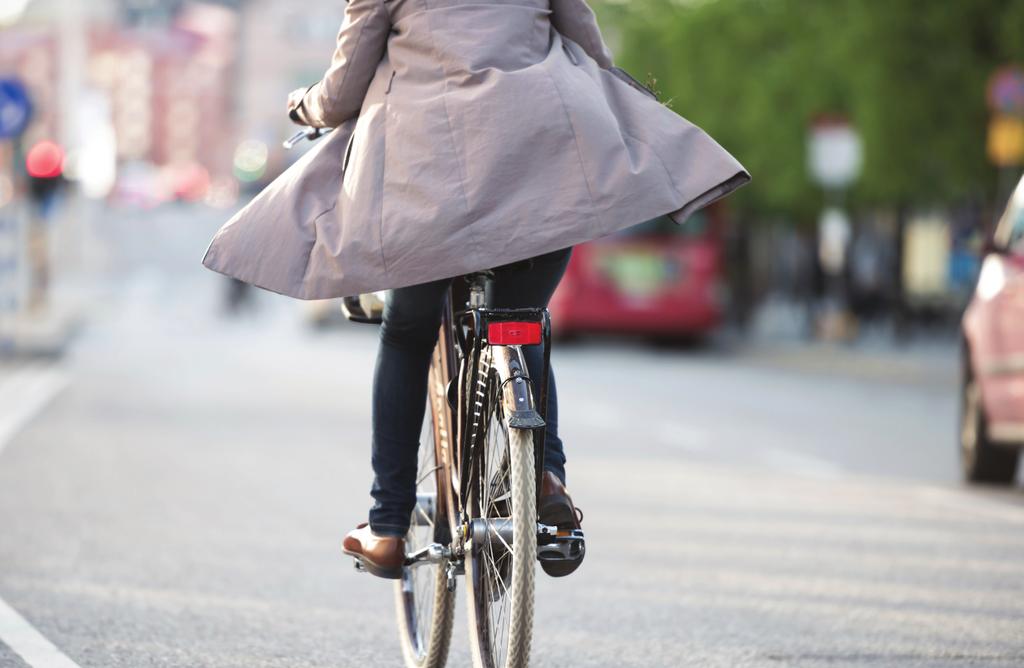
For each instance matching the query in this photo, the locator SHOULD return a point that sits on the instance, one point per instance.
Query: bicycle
(478, 482)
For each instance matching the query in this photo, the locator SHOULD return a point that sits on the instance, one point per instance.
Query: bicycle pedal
(550, 534)
(565, 546)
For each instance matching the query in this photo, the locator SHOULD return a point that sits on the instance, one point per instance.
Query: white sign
(834, 153)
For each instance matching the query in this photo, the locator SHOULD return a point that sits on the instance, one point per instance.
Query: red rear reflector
(514, 333)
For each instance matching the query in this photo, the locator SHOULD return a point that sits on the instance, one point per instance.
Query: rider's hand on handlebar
(294, 100)
(307, 132)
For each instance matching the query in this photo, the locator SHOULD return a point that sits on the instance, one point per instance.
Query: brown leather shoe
(556, 509)
(382, 556)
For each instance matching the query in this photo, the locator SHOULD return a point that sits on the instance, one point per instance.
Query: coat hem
(709, 196)
(212, 265)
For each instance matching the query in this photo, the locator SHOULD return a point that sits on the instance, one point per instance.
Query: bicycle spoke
(502, 625)
(423, 477)
(496, 488)
(424, 610)
(508, 547)
(497, 575)
(426, 517)
(502, 582)
(494, 584)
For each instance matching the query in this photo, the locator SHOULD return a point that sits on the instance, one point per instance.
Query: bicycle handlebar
(312, 134)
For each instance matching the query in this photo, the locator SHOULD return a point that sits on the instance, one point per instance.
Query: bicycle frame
(463, 336)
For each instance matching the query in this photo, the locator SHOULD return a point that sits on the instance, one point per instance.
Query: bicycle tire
(423, 589)
(495, 575)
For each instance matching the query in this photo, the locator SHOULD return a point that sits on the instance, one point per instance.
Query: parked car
(992, 416)
(658, 278)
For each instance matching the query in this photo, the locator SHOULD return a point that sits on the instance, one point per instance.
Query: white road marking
(965, 502)
(24, 394)
(681, 436)
(798, 463)
(28, 643)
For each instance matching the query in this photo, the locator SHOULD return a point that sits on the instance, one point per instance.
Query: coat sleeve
(575, 19)
(362, 42)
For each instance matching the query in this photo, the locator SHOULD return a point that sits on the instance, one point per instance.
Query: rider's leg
(530, 284)
(412, 317)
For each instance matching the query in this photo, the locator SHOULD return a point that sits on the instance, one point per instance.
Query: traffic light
(44, 164)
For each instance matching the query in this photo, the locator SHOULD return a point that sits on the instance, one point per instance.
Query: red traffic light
(45, 160)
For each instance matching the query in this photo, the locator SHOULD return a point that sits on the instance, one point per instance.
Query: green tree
(910, 74)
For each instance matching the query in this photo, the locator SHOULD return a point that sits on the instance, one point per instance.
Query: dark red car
(992, 420)
(658, 278)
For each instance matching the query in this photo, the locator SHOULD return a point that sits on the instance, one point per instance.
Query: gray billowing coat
(470, 134)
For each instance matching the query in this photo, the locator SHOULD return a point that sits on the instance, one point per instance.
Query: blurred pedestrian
(867, 274)
(738, 275)
(237, 297)
(45, 193)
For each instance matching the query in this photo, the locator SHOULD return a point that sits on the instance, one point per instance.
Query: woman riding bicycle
(492, 134)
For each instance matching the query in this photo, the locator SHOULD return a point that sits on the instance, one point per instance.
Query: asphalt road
(174, 491)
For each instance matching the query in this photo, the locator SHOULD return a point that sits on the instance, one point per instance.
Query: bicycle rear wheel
(424, 605)
(499, 573)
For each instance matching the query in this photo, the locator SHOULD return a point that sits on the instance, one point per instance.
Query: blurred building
(284, 46)
(172, 93)
(31, 54)
(166, 79)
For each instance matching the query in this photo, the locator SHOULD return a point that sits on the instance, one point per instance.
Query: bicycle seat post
(477, 293)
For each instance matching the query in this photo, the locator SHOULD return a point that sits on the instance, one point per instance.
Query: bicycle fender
(517, 393)
(530, 419)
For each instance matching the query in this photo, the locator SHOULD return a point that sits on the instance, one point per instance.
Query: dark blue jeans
(412, 318)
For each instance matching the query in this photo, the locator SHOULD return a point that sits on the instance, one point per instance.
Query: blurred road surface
(173, 493)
